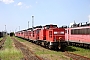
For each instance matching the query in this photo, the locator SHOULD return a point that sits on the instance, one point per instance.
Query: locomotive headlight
(55, 32)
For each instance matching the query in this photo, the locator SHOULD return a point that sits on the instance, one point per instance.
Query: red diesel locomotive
(78, 35)
(49, 36)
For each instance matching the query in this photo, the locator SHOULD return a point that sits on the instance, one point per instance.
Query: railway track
(2, 42)
(28, 54)
(75, 56)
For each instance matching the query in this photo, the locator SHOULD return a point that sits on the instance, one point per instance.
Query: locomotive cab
(56, 37)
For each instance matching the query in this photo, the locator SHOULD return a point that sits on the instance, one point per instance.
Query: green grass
(78, 50)
(1, 38)
(8, 43)
(10, 53)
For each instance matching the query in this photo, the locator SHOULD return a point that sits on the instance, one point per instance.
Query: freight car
(49, 36)
(78, 35)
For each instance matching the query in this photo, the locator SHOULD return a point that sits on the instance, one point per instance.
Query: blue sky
(15, 13)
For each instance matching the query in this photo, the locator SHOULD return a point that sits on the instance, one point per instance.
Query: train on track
(2, 34)
(54, 37)
(49, 36)
(78, 35)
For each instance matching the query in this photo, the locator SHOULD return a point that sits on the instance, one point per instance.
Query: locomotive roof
(51, 25)
(38, 27)
(64, 26)
(24, 30)
(29, 29)
(35, 27)
(80, 25)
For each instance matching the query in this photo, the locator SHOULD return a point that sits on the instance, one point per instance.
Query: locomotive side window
(37, 31)
(30, 33)
(89, 30)
(85, 31)
(65, 31)
(72, 31)
(76, 31)
(50, 34)
(68, 31)
(21, 32)
(33, 33)
(80, 31)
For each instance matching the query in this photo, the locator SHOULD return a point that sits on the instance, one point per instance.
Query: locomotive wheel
(59, 47)
(88, 46)
(50, 47)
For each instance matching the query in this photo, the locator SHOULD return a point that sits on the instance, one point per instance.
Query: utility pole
(5, 28)
(32, 25)
(28, 24)
(32, 22)
(68, 34)
(28, 31)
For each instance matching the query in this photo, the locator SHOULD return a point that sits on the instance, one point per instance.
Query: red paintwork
(33, 35)
(78, 38)
(42, 34)
(57, 36)
(29, 34)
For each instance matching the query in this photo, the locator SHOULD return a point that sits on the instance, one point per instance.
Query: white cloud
(20, 3)
(7, 1)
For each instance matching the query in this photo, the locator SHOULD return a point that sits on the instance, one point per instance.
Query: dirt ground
(44, 53)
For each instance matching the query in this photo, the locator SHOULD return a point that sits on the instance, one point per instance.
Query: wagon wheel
(89, 46)
(59, 47)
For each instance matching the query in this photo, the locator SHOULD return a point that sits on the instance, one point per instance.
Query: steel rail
(28, 54)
